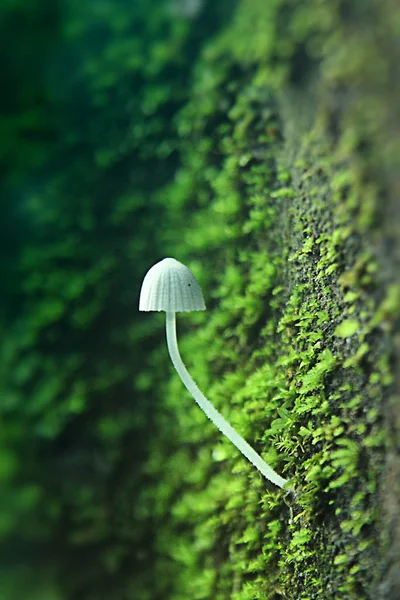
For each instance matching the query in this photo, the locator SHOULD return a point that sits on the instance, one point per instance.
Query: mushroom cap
(172, 287)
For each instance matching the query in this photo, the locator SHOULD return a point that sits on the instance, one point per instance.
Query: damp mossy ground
(283, 220)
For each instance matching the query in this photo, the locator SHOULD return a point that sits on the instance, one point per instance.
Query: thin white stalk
(211, 412)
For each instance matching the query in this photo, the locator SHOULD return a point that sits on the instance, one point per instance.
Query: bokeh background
(90, 97)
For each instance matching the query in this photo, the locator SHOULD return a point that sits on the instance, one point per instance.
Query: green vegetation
(260, 148)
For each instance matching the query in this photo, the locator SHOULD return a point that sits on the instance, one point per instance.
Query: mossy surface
(297, 346)
(265, 157)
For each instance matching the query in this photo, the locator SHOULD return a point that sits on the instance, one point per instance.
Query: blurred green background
(90, 94)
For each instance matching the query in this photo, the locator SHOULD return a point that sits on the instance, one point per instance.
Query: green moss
(294, 281)
(270, 176)
(347, 328)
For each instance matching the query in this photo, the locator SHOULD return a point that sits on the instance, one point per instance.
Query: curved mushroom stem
(211, 412)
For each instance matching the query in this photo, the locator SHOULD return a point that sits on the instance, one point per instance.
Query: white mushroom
(171, 287)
